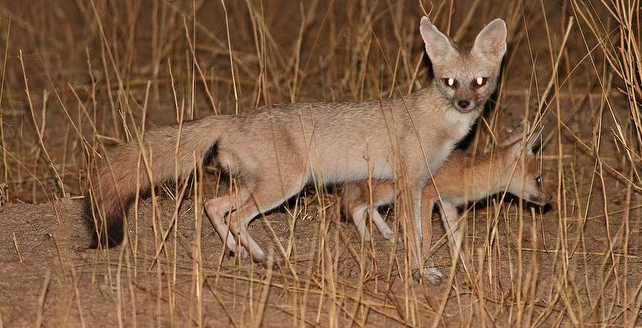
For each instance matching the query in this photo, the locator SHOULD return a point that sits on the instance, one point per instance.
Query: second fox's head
(466, 79)
(521, 174)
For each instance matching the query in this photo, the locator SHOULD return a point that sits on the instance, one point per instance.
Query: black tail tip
(103, 241)
(104, 234)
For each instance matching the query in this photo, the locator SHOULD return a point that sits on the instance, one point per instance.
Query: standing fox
(512, 168)
(273, 153)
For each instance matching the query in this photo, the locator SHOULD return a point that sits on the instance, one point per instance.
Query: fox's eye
(450, 82)
(538, 180)
(479, 82)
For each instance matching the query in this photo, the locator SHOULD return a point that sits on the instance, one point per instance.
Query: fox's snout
(464, 106)
(541, 198)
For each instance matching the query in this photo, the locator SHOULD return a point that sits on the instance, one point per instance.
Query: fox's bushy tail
(112, 188)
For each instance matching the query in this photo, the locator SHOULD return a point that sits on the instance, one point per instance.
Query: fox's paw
(389, 235)
(240, 250)
(433, 275)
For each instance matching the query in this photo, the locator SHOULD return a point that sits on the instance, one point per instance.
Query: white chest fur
(459, 124)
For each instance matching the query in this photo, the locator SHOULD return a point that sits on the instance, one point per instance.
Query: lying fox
(512, 168)
(273, 153)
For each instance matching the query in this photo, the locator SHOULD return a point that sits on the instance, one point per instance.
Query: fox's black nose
(463, 104)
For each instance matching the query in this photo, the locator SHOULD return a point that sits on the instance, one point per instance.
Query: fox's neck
(471, 179)
(486, 175)
(429, 105)
(422, 98)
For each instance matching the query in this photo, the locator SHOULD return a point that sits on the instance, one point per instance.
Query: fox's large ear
(438, 46)
(514, 150)
(517, 134)
(491, 41)
(534, 140)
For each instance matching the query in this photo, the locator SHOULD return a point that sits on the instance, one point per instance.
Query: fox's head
(466, 78)
(517, 151)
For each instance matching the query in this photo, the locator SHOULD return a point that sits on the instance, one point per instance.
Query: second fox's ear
(525, 147)
(491, 41)
(534, 140)
(517, 134)
(438, 46)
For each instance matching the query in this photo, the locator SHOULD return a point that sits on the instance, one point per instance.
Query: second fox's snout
(541, 198)
(547, 198)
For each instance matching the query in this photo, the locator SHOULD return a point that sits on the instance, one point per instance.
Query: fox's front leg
(416, 245)
(382, 226)
(382, 194)
(359, 218)
(423, 266)
(450, 219)
(368, 197)
(429, 270)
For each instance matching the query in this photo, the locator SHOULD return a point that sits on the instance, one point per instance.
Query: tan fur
(271, 154)
(462, 179)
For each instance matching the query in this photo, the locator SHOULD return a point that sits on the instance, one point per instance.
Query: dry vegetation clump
(78, 77)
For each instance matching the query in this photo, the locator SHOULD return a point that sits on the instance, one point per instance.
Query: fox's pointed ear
(517, 134)
(491, 41)
(533, 140)
(438, 46)
(514, 150)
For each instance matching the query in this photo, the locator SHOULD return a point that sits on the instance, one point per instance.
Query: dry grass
(79, 77)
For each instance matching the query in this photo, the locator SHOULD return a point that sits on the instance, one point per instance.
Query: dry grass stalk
(111, 70)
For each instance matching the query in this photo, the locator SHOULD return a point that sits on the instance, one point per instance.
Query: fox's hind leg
(217, 208)
(266, 195)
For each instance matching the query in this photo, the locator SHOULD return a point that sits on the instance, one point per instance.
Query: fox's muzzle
(540, 199)
(464, 106)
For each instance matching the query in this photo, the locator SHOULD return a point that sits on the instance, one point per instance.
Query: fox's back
(342, 141)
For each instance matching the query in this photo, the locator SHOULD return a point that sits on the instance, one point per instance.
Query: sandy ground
(575, 263)
(49, 275)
